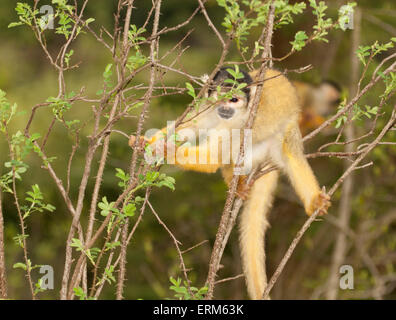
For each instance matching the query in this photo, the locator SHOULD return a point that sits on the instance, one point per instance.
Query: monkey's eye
(234, 100)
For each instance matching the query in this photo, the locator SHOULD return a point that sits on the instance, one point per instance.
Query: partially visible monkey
(316, 103)
(276, 140)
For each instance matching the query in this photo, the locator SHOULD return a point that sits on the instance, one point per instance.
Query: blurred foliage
(193, 210)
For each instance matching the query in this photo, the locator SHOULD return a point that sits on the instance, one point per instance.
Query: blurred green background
(193, 210)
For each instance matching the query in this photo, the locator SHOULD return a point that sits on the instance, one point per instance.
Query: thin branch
(3, 272)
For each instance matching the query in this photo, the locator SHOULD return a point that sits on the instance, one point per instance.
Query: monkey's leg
(301, 175)
(253, 225)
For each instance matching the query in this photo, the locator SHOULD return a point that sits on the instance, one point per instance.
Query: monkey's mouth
(225, 113)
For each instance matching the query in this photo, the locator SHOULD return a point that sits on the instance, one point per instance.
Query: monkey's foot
(243, 188)
(321, 202)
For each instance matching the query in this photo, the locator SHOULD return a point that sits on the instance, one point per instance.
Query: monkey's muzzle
(225, 113)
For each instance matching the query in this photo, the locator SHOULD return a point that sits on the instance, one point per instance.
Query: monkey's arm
(161, 134)
(301, 175)
(198, 158)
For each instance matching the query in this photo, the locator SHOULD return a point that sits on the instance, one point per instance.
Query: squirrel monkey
(276, 140)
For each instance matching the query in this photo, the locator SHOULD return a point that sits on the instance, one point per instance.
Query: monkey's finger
(141, 143)
(324, 193)
(132, 140)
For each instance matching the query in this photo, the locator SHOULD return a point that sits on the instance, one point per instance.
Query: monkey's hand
(157, 148)
(141, 143)
(321, 201)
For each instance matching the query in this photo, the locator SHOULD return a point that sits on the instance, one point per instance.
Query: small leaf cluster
(240, 19)
(35, 198)
(7, 111)
(135, 37)
(323, 24)
(390, 83)
(63, 12)
(156, 179)
(91, 253)
(25, 13)
(345, 14)
(79, 293)
(20, 147)
(372, 50)
(60, 105)
(182, 292)
(358, 113)
(29, 266)
(107, 74)
(38, 286)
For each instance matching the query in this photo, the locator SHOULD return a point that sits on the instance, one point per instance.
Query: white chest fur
(268, 150)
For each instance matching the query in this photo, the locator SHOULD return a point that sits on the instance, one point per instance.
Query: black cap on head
(223, 75)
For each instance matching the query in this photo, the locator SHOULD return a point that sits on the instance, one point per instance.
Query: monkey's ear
(331, 92)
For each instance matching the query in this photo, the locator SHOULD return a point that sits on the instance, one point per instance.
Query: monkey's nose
(225, 113)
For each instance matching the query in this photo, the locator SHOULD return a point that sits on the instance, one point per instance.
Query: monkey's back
(279, 105)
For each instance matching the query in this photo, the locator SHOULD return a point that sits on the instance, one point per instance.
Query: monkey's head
(326, 97)
(228, 108)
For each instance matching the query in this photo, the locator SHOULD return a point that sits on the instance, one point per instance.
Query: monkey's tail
(252, 231)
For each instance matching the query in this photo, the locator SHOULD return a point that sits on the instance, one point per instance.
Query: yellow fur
(253, 224)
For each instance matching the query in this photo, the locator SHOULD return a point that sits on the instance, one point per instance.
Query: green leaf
(107, 73)
(123, 177)
(20, 265)
(15, 24)
(106, 207)
(112, 245)
(76, 243)
(79, 292)
(89, 20)
(18, 239)
(299, 40)
(130, 209)
(136, 61)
